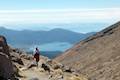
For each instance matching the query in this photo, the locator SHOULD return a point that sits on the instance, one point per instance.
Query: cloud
(59, 16)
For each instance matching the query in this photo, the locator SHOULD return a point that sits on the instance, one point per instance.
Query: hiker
(37, 55)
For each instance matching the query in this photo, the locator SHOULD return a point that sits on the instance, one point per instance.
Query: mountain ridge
(30, 37)
(97, 56)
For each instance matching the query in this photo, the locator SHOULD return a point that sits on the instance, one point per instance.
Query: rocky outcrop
(6, 67)
(15, 57)
(3, 46)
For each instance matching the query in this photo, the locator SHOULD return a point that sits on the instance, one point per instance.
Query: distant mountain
(98, 56)
(42, 37)
(29, 37)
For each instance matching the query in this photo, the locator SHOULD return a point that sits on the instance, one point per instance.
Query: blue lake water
(56, 46)
(50, 50)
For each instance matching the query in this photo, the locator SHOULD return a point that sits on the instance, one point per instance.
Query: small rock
(34, 79)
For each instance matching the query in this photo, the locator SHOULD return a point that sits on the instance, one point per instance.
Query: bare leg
(36, 63)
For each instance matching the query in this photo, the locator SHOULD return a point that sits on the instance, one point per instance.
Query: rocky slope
(27, 69)
(18, 65)
(98, 56)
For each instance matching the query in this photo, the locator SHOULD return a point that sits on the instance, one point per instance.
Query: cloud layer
(59, 16)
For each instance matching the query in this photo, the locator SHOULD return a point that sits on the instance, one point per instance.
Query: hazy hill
(29, 37)
(98, 56)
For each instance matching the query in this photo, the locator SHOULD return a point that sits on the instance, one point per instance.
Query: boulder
(3, 46)
(54, 64)
(67, 69)
(16, 58)
(56, 74)
(46, 67)
(6, 67)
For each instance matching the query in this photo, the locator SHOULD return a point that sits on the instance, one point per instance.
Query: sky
(20, 14)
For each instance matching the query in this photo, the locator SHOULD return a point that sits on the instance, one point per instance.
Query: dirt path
(34, 74)
(38, 73)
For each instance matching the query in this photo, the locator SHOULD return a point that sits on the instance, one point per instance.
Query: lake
(50, 50)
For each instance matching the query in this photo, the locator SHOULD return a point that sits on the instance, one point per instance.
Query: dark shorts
(36, 56)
